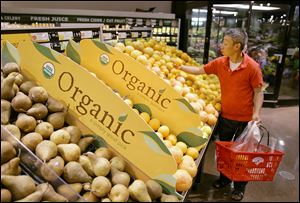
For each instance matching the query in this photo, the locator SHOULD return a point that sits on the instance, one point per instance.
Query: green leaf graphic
(143, 108)
(191, 139)
(101, 46)
(186, 104)
(9, 53)
(155, 137)
(72, 51)
(97, 143)
(45, 51)
(162, 90)
(168, 189)
(153, 145)
(122, 117)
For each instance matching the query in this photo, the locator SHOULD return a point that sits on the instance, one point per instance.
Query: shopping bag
(250, 138)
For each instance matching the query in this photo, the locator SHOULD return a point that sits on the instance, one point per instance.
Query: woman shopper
(241, 93)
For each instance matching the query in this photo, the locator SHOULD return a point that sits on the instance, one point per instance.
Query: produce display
(38, 121)
(145, 53)
(98, 174)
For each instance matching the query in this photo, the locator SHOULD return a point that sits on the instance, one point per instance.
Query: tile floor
(282, 123)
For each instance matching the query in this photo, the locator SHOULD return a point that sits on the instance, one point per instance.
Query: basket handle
(246, 129)
(261, 127)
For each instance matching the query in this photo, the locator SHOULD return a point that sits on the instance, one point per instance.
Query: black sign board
(167, 23)
(32, 18)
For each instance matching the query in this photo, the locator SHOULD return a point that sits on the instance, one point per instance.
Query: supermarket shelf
(46, 29)
(165, 35)
(197, 35)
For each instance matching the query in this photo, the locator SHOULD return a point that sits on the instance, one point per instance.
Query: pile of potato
(38, 121)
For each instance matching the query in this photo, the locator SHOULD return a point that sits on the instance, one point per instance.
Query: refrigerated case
(223, 18)
(273, 30)
(267, 39)
(289, 88)
(196, 33)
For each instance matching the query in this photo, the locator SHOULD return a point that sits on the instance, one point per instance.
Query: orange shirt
(237, 87)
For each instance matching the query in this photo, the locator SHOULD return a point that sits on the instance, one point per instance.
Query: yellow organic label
(146, 89)
(99, 109)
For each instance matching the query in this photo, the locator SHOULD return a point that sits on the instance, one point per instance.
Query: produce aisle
(95, 108)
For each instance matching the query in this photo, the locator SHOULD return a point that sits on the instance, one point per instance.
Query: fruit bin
(73, 119)
(32, 166)
(187, 131)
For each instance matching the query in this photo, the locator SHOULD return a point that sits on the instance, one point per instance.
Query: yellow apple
(182, 146)
(193, 152)
(164, 130)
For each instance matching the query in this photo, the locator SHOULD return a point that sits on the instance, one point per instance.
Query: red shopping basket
(247, 166)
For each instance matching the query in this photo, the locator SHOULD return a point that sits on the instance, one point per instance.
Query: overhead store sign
(31, 18)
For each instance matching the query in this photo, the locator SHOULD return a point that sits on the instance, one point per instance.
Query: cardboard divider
(148, 92)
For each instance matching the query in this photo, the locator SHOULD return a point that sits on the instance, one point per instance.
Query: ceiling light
(198, 19)
(281, 142)
(228, 12)
(245, 6)
(268, 4)
(222, 12)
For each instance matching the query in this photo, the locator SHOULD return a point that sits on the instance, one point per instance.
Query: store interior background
(283, 87)
(201, 33)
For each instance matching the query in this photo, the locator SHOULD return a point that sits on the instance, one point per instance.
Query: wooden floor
(283, 124)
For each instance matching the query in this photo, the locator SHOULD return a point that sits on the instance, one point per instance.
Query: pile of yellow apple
(202, 91)
(184, 156)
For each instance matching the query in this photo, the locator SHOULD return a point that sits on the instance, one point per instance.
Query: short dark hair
(238, 36)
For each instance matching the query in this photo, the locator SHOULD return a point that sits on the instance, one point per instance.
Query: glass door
(225, 16)
(289, 88)
(196, 33)
(267, 33)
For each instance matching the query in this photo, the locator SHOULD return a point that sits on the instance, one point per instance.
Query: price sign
(65, 35)
(86, 34)
(134, 34)
(40, 37)
(144, 34)
(107, 36)
(122, 35)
